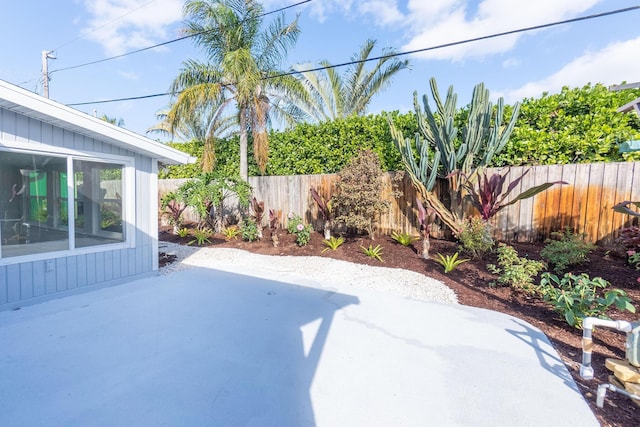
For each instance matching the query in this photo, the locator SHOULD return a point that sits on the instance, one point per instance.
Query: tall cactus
(483, 136)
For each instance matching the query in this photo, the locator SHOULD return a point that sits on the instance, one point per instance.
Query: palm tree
(112, 120)
(331, 95)
(205, 124)
(243, 67)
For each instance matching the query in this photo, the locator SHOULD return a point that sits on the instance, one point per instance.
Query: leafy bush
(332, 243)
(577, 297)
(372, 252)
(568, 249)
(297, 227)
(249, 230)
(449, 262)
(514, 270)
(405, 239)
(292, 223)
(475, 237)
(303, 234)
(357, 201)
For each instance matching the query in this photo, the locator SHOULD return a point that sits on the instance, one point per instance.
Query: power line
(391, 55)
(168, 42)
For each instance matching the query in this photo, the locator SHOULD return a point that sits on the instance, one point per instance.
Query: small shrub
(475, 237)
(372, 252)
(405, 239)
(515, 271)
(249, 230)
(332, 243)
(566, 250)
(183, 232)
(292, 223)
(357, 200)
(449, 262)
(577, 297)
(201, 236)
(303, 234)
(634, 259)
(231, 232)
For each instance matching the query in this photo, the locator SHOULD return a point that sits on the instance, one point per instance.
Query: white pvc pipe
(586, 371)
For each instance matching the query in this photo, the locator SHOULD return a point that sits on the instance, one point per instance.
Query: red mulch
(471, 283)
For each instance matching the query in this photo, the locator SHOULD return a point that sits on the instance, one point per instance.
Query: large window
(38, 200)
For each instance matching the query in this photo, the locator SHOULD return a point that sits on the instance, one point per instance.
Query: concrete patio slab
(204, 347)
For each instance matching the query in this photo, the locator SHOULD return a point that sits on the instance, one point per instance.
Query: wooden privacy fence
(584, 204)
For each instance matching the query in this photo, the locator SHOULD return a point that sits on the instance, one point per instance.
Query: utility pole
(46, 55)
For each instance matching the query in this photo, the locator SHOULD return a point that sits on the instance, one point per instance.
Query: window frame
(128, 198)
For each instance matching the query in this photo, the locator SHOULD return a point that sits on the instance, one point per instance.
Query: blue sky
(605, 50)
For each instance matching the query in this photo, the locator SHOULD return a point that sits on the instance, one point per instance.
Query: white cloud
(439, 22)
(384, 12)
(613, 64)
(123, 25)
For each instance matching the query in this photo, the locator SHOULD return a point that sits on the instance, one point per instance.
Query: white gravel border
(314, 269)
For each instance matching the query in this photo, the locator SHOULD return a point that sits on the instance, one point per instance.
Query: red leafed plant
(489, 194)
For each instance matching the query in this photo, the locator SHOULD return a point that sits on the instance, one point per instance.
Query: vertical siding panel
(50, 278)
(124, 262)
(81, 263)
(22, 128)
(108, 266)
(61, 273)
(99, 266)
(26, 280)
(39, 279)
(116, 266)
(4, 288)
(90, 263)
(13, 283)
(72, 273)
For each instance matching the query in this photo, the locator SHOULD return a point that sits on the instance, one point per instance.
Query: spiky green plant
(449, 262)
(405, 239)
(183, 232)
(372, 252)
(201, 236)
(231, 232)
(439, 152)
(332, 243)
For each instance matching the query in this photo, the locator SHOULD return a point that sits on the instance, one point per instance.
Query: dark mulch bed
(472, 284)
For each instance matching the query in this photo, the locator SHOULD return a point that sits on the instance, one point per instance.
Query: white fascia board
(48, 111)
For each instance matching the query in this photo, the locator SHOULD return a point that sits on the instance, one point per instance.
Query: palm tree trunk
(244, 169)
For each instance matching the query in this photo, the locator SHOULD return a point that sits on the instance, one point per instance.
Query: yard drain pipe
(586, 371)
(602, 392)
